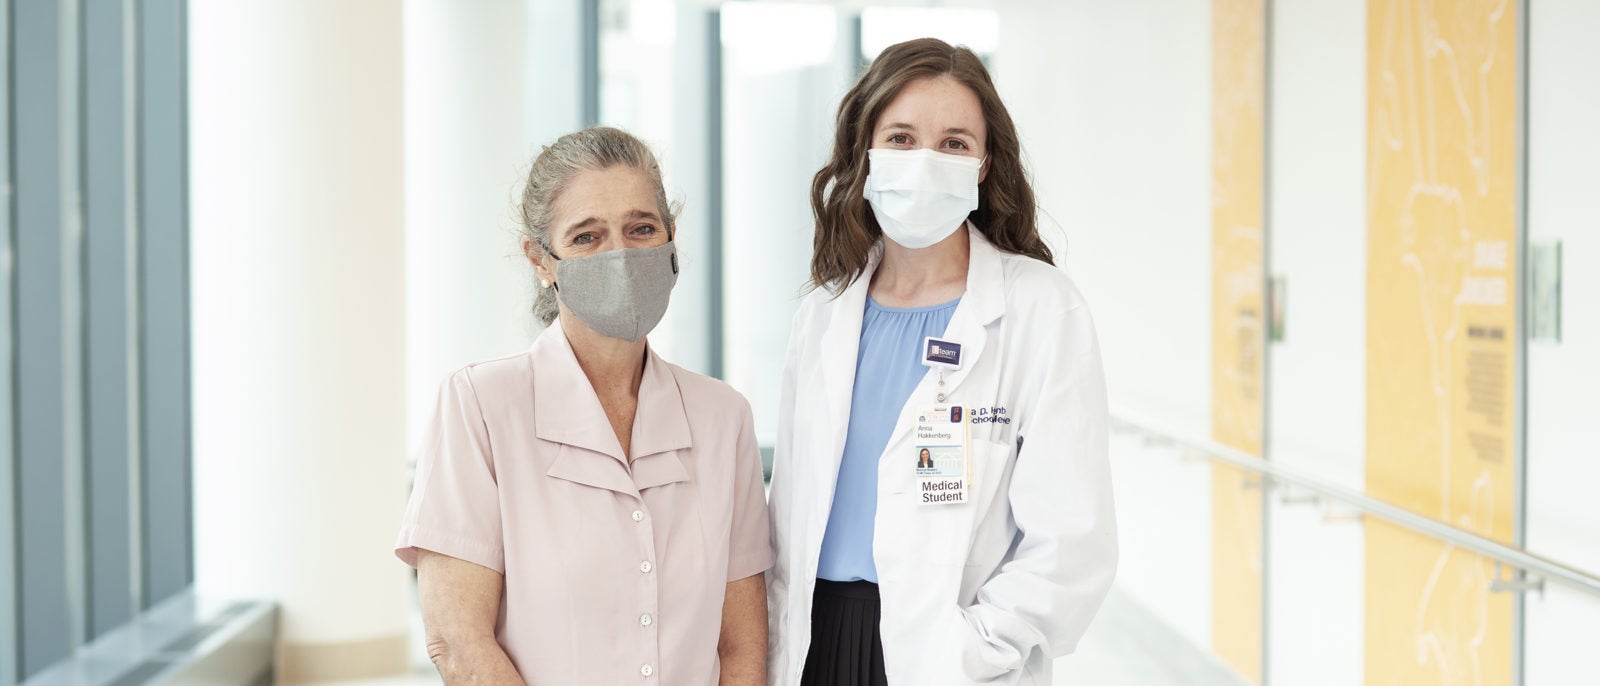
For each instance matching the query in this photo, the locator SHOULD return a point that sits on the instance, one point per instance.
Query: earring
(544, 283)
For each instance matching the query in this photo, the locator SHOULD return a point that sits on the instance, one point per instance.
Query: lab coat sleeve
(1060, 496)
(455, 502)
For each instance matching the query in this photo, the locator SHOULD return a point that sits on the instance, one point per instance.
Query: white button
(645, 620)
(638, 517)
(647, 670)
(645, 567)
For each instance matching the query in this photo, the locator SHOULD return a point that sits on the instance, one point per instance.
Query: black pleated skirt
(846, 649)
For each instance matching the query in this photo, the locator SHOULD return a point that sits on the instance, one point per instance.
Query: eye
(956, 144)
(644, 230)
(583, 238)
(900, 139)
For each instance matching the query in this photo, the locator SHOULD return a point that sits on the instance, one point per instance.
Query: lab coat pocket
(968, 658)
(991, 472)
(946, 533)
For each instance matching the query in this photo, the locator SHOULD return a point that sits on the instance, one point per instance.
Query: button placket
(651, 592)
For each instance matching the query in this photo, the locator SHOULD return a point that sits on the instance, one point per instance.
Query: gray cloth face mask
(619, 293)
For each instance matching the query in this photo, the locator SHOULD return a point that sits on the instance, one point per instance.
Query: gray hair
(598, 147)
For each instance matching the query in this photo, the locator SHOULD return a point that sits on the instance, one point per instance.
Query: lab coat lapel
(841, 343)
(983, 303)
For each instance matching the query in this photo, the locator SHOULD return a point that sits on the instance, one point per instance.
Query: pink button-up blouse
(615, 569)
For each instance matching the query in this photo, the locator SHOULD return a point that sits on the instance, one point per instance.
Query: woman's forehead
(610, 193)
(939, 102)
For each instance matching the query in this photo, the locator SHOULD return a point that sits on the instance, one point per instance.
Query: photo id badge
(943, 473)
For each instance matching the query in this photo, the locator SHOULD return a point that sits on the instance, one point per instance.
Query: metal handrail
(1516, 558)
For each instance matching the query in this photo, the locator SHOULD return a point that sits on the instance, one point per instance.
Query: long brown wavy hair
(845, 226)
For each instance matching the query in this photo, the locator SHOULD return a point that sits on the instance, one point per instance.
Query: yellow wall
(1440, 332)
(1237, 334)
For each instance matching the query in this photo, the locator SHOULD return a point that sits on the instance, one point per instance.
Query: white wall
(1318, 220)
(1113, 101)
(1563, 204)
(1316, 383)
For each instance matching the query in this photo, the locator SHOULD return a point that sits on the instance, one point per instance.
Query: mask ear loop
(670, 239)
(555, 257)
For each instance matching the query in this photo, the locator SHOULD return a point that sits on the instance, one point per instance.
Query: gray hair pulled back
(599, 147)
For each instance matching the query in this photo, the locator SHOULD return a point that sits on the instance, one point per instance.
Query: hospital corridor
(799, 342)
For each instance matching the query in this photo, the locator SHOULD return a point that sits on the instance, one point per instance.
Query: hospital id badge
(943, 471)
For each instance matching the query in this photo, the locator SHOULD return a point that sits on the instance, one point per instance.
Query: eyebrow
(592, 220)
(897, 126)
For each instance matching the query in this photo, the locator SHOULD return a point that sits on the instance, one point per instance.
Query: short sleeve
(750, 537)
(455, 503)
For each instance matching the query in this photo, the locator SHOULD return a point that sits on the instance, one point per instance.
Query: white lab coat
(991, 590)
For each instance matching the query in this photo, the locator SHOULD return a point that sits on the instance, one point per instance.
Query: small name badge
(937, 353)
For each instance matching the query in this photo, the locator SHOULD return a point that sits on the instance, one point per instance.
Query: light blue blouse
(888, 368)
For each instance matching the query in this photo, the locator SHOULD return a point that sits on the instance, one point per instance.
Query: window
(94, 471)
(785, 66)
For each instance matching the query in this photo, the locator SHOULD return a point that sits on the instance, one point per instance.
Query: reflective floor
(1127, 645)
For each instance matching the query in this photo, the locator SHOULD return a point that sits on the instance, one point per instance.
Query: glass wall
(94, 457)
(784, 69)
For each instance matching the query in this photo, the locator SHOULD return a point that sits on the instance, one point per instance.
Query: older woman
(585, 512)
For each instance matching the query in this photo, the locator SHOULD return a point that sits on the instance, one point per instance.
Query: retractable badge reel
(943, 472)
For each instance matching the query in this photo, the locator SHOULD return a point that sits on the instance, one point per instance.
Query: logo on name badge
(937, 353)
(955, 414)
